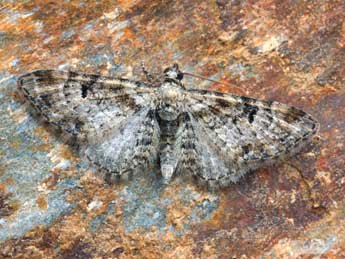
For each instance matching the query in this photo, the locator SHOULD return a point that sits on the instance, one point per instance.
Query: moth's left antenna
(147, 74)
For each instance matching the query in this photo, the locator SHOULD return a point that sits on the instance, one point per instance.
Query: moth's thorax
(170, 96)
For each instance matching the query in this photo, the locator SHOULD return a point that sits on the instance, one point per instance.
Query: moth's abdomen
(168, 146)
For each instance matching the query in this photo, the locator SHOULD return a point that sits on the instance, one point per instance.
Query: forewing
(86, 107)
(235, 134)
(111, 120)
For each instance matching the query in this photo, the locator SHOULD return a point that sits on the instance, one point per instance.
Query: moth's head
(173, 73)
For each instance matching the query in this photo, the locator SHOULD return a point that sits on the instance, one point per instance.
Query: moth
(124, 126)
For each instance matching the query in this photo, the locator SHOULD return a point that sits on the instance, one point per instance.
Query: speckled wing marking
(133, 148)
(226, 136)
(98, 113)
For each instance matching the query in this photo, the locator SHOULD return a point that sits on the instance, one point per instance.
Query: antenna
(211, 80)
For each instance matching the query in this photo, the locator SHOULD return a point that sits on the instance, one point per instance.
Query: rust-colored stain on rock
(42, 203)
(7, 207)
(287, 51)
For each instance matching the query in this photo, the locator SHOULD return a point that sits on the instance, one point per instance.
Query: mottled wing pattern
(95, 111)
(133, 148)
(227, 136)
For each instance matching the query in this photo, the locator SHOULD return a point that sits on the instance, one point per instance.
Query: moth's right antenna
(214, 81)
